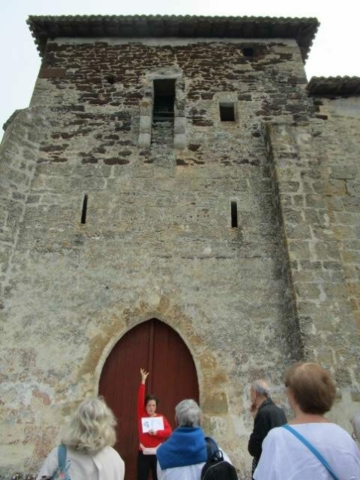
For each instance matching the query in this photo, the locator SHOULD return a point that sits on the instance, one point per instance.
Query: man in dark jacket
(266, 416)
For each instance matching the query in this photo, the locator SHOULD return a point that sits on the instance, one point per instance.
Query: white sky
(335, 50)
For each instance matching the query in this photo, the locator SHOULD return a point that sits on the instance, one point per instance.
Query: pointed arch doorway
(156, 347)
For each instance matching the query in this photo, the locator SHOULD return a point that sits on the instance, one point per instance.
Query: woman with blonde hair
(312, 447)
(88, 438)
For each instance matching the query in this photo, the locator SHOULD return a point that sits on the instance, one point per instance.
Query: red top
(147, 440)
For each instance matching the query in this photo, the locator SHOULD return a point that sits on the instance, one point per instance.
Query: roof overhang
(334, 86)
(302, 30)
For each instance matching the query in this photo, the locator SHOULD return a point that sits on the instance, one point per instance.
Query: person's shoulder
(186, 472)
(275, 440)
(108, 459)
(270, 409)
(276, 433)
(110, 453)
(336, 428)
(325, 426)
(50, 463)
(52, 456)
(271, 406)
(54, 453)
(333, 430)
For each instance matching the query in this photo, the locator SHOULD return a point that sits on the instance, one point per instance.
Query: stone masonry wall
(158, 240)
(19, 152)
(318, 175)
(342, 179)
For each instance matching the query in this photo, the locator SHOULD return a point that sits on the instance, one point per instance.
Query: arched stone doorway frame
(117, 320)
(123, 331)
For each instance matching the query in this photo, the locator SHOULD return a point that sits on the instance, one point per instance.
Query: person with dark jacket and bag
(266, 416)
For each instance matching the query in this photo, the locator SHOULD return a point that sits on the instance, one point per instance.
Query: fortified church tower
(176, 197)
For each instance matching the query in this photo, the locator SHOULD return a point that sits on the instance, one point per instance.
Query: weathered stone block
(216, 403)
(145, 124)
(179, 141)
(52, 73)
(353, 188)
(344, 173)
(180, 125)
(144, 140)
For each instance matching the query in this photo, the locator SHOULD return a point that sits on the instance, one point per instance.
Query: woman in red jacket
(150, 438)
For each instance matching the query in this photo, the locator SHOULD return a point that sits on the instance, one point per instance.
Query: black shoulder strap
(213, 451)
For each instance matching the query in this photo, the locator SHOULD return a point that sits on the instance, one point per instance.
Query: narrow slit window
(84, 210)
(234, 215)
(164, 100)
(227, 112)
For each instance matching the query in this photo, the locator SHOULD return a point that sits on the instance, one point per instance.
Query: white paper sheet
(152, 423)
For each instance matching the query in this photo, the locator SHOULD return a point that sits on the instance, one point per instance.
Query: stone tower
(177, 168)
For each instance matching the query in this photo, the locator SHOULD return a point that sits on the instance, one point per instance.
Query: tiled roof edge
(165, 17)
(303, 30)
(334, 86)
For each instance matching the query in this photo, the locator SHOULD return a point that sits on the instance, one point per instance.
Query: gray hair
(188, 413)
(355, 422)
(261, 387)
(91, 427)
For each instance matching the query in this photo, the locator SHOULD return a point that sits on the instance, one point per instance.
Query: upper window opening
(227, 112)
(164, 99)
(248, 51)
(110, 78)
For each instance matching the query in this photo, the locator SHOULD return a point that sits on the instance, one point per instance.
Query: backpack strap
(312, 449)
(62, 458)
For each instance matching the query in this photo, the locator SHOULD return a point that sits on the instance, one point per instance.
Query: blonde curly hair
(91, 428)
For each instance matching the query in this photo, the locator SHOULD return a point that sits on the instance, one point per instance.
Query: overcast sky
(335, 50)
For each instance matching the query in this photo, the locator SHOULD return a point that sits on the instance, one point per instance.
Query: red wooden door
(158, 349)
